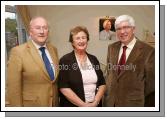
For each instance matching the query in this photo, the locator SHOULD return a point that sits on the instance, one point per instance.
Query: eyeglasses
(124, 28)
(40, 28)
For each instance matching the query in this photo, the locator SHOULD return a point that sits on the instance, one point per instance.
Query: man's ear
(134, 29)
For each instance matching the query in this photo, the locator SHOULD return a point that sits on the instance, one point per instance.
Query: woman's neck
(81, 55)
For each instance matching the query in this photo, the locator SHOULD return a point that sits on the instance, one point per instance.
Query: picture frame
(107, 28)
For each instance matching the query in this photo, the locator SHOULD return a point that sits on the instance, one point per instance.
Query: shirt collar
(38, 46)
(131, 43)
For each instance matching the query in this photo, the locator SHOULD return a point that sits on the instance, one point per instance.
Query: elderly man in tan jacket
(31, 81)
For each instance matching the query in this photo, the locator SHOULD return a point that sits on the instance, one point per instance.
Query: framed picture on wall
(106, 28)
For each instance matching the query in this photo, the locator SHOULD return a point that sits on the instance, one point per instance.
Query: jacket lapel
(115, 54)
(37, 58)
(54, 57)
(135, 52)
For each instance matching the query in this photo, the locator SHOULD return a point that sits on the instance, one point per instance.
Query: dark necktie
(47, 63)
(122, 60)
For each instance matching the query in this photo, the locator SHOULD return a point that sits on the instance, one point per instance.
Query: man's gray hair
(125, 18)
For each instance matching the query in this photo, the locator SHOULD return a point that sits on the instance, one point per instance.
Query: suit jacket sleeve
(14, 76)
(150, 73)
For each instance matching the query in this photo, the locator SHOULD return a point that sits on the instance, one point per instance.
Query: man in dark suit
(130, 77)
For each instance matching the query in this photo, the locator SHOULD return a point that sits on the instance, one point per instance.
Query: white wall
(63, 18)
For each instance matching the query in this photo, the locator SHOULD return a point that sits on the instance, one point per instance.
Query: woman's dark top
(71, 77)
